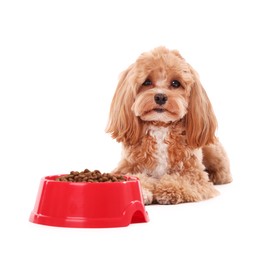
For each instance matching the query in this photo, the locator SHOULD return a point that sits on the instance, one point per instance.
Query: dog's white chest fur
(161, 153)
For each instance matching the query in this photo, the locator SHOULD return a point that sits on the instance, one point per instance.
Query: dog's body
(163, 117)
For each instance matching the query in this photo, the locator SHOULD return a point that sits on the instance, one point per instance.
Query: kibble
(91, 176)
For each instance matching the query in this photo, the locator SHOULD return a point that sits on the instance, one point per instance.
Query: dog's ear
(123, 125)
(200, 120)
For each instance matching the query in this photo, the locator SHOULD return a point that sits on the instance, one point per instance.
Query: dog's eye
(147, 82)
(175, 84)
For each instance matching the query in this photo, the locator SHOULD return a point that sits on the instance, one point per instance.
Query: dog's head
(161, 87)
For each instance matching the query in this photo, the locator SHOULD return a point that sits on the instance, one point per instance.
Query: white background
(59, 67)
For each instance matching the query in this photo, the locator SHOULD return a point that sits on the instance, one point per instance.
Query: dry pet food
(91, 176)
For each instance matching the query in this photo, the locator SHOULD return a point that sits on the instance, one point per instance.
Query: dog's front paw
(174, 191)
(147, 196)
(167, 196)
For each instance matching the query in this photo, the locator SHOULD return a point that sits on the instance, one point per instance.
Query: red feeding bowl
(88, 205)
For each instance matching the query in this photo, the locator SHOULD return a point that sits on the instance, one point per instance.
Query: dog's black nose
(160, 99)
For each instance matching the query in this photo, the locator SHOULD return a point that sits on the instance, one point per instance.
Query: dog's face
(161, 87)
(163, 94)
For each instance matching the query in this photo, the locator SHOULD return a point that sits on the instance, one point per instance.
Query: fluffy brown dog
(164, 119)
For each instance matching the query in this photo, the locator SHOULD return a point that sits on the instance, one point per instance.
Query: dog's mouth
(159, 110)
(160, 114)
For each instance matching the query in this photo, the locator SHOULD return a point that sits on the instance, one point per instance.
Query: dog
(164, 119)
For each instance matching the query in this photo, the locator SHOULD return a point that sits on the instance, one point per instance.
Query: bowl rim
(51, 179)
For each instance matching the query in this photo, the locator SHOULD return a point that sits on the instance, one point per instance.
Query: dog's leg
(217, 163)
(189, 187)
